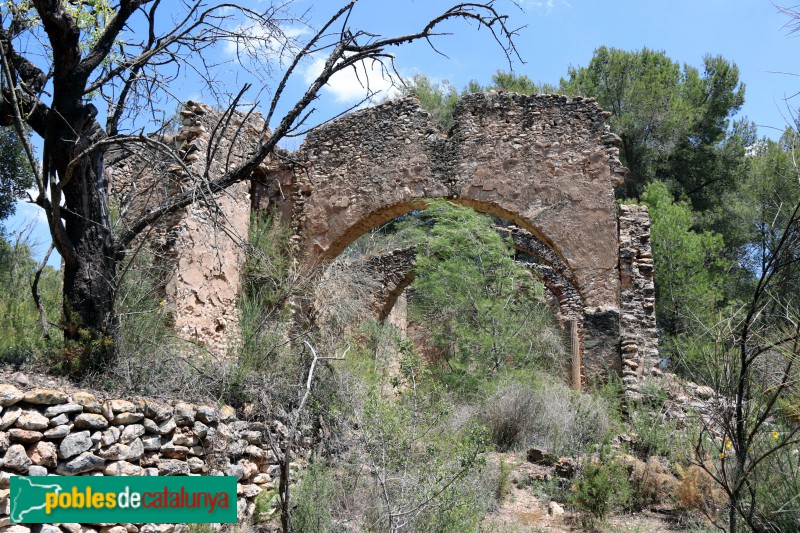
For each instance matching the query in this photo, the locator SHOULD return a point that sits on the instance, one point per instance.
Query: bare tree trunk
(90, 272)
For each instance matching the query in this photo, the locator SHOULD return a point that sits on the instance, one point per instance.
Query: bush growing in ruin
(544, 413)
(485, 312)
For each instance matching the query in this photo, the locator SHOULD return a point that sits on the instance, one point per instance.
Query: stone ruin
(548, 164)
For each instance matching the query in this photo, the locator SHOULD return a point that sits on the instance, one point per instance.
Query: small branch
(35, 292)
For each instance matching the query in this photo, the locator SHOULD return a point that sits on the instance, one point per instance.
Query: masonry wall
(202, 247)
(638, 331)
(546, 163)
(52, 432)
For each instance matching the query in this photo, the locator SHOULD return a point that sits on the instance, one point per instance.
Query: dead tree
(62, 62)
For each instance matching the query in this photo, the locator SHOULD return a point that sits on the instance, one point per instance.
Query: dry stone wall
(52, 432)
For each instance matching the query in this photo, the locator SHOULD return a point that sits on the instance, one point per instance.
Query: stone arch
(394, 272)
(547, 164)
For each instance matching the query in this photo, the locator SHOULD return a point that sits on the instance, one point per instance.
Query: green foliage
(312, 513)
(765, 200)
(91, 16)
(503, 481)
(266, 269)
(552, 488)
(147, 351)
(689, 273)
(777, 506)
(266, 504)
(657, 437)
(438, 99)
(21, 335)
(424, 470)
(602, 486)
(518, 83)
(673, 121)
(484, 310)
(82, 352)
(267, 283)
(16, 172)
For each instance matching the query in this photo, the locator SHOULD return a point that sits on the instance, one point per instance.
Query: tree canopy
(673, 120)
(15, 172)
(486, 311)
(440, 98)
(691, 288)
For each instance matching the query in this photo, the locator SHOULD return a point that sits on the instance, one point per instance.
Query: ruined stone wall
(546, 163)
(49, 431)
(393, 272)
(638, 331)
(203, 245)
(555, 274)
(398, 316)
(211, 249)
(372, 284)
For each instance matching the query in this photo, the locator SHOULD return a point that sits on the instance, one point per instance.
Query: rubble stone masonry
(548, 164)
(52, 432)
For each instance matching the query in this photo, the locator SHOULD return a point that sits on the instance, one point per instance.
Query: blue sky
(557, 34)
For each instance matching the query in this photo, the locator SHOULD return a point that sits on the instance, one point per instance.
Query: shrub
(149, 357)
(544, 413)
(483, 309)
(21, 336)
(510, 413)
(423, 474)
(652, 483)
(698, 491)
(602, 486)
(312, 513)
(503, 481)
(266, 503)
(776, 505)
(660, 437)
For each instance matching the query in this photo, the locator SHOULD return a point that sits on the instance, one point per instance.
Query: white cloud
(547, 5)
(355, 83)
(27, 212)
(260, 42)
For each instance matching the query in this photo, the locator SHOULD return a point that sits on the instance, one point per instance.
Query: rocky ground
(526, 508)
